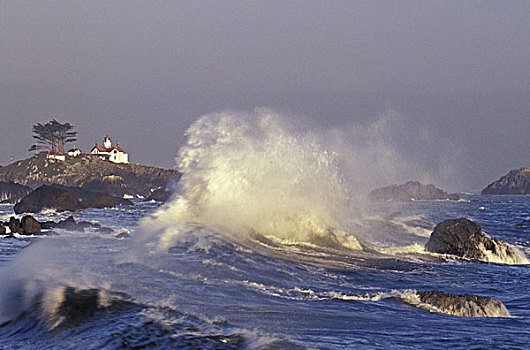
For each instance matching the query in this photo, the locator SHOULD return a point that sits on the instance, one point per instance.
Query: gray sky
(143, 71)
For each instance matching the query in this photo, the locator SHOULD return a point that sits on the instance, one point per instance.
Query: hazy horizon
(454, 74)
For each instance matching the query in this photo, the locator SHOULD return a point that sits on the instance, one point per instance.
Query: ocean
(264, 245)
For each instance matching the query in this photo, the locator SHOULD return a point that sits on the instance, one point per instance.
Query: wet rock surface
(464, 238)
(63, 198)
(463, 305)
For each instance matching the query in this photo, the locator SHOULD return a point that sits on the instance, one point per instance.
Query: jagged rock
(516, 182)
(464, 238)
(11, 192)
(30, 225)
(90, 173)
(63, 198)
(463, 305)
(410, 191)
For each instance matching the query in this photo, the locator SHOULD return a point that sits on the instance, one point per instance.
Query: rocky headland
(516, 182)
(410, 191)
(89, 173)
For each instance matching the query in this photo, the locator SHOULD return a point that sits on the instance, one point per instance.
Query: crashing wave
(248, 173)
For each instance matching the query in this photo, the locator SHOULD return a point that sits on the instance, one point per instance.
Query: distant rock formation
(90, 173)
(517, 181)
(11, 192)
(462, 305)
(464, 238)
(410, 191)
(62, 198)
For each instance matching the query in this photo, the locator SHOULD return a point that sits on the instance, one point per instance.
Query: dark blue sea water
(211, 290)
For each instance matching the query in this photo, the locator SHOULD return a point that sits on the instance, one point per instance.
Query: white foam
(251, 173)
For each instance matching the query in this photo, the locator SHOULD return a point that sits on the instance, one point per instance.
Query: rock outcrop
(62, 198)
(410, 191)
(464, 238)
(28, 225)
(516, 182)
(159, 195)
(11, 192)
(462, 305)
(90, 173)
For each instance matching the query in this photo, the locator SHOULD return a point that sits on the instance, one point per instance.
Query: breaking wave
(253, 173)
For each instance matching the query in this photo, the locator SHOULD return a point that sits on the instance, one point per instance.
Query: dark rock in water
(52, 197)
(105, 230)
(11, 192)
(464, 238)
(159, 195)
(122, 234)
(30, 225)
(68, 224)
(14, 226)
(2, 230)
(410, 191)
(463, 305)
(63, 198)
(516, 182)
(87, 224)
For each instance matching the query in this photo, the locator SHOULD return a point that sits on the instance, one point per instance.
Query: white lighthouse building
(109, 152)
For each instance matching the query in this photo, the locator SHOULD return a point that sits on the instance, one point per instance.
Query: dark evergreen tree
(53, 135)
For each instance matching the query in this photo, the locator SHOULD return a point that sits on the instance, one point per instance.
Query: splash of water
(254, 173)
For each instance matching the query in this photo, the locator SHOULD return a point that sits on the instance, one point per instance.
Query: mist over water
(267, 173)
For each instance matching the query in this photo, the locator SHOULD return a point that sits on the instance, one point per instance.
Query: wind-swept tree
(53, 135)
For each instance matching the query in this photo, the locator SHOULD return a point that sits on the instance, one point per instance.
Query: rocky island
(516, 182)
(89, 173)
(410, 191)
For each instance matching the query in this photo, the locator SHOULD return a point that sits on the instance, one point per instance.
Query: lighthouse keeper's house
(109, 152)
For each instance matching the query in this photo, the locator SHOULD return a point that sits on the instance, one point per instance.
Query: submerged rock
(464, 238)
(462, 305)
(410, 191)
(516, 182)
